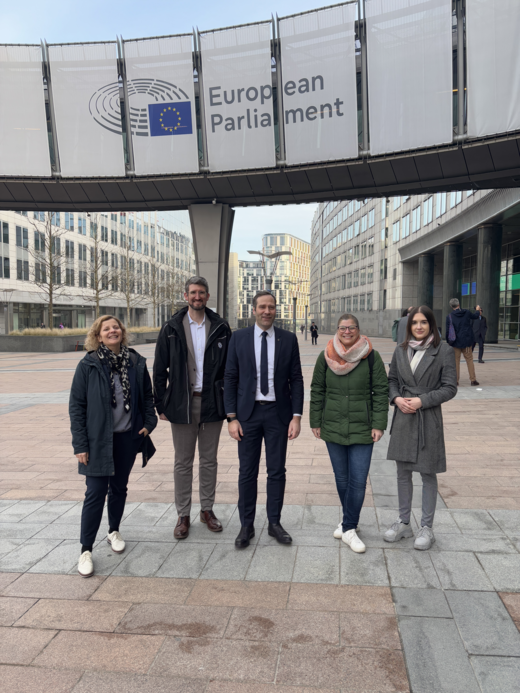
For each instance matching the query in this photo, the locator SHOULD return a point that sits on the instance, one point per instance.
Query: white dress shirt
(198, 337)
(270, 397)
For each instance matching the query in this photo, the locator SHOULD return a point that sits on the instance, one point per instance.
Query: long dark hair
(434, 330)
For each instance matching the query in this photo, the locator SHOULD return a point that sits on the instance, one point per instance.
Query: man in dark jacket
(188, 375)
(461, 319)
(479, 334)
(314, 333)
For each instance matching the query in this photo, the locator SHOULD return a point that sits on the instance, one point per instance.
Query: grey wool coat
(417, 440)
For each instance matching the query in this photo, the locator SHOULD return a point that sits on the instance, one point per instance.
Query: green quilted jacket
(340, 404)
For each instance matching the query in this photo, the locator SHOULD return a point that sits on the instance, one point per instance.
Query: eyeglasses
(352, 328)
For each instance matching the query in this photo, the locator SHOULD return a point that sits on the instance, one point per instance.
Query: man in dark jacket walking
(314, 333)
(461, 319)
(188, 375)
(479, 334)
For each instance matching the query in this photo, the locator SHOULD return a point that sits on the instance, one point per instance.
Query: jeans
(351, 464)
(405, 494)
(97, 487)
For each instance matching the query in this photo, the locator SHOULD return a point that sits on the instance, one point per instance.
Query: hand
(235, 430)
(403, 405)
(317, 432)
(144, 431)
(295, 427)
(414, 402)
(163, 417)
(376, 435)
(83, 457)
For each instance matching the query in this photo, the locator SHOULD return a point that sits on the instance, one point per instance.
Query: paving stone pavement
(198, 616)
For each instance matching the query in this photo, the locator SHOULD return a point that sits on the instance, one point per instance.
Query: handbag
(451, 336)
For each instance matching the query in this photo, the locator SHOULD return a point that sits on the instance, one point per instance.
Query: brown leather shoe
(475, 382)
(182, 528)
(208, 517)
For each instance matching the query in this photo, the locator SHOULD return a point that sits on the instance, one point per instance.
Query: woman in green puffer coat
(349, 411)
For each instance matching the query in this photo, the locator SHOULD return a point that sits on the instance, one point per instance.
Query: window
(39, 273)
(355, 278)
(343, 282)
(6, 268)
(370, 243)
(55, 219)
(356, 253)
(397, 203)
(370, 274)
(356, 228)
(363, 277)
(22, 270)
(69, 277)
(362, 302)
(82, 279)
(416, 219)
(104, 233)
(39, 216)
(406, 226)
(440, 204)
(104, 258)
(371, 218)
(350, 232)
(395, 231)
(82, 225)
(348, 304)
(82, 252)
(349, 280)
(39, 242)
(354, 304)
(5, 232)
(363, 251)
(113, 236)
(56, 246)
(350, 255)
(455, 198)
(69, 221)
(469, 192)
(369, 301)
(364, 223)
(114, 260)
(69, 252)
(22, 237)
(383, 270)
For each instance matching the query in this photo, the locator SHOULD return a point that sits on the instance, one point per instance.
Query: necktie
(264, 380)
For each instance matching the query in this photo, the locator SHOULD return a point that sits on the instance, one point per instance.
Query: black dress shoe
(245, 534)
(279, 533)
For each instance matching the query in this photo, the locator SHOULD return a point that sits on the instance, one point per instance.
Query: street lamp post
(295, 299)
(306, 309)
(268, 279)
(6, 295)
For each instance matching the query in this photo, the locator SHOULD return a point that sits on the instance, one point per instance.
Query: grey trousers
(185, 437)
(405, 494)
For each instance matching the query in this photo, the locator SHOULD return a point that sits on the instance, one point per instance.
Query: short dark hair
(348, 316)
(434, 330)
(404, 312)
(259, 294)
(198, 281)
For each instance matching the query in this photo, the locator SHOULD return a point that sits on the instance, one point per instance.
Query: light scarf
(117, 363)
(416, 351)
(342, 361)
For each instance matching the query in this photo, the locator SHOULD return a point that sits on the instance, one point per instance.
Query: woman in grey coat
(422, 376)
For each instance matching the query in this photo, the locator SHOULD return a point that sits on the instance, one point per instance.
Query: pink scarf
(342, 361)
(414, 345)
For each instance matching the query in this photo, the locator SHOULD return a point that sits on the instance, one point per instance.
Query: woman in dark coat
(422, 376)
(349, 411)
(111, 416)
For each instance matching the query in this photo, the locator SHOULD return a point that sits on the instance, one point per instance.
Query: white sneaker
(398, 531)
(351, 538)
(424, 539)
(85, 565)
(116, 541)
(338, 532)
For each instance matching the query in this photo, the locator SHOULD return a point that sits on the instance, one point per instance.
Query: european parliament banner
(238, 98)
(24, 144)
(162, 105)
(87, 109)
(319, 85)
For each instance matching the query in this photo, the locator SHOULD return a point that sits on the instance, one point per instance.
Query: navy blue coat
(479, 329)
(91, 417)
(240, 376)
(462, 322)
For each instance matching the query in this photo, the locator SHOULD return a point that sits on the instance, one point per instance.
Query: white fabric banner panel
(319, 85)
(493, 66)
(410, 65)
(87, 109)
(238, 98)
(162, 105)
(24, 144)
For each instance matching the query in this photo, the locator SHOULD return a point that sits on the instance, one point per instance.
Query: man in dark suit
(479, 334)
(263, 398)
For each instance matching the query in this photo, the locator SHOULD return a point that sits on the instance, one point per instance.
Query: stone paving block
(141, 590)
(19, 511)
(60, 560)
(443, 523)
(106, 560)
(317, 564)
(147, 533)
(41, 586)
(460, 571)
(370, 630)
(292, 515)
(66, 531)
(250, 687)
(187, 560)
(105, 682)
(234, 524)
(385, 485)
(33, 680)
(145, 560)
(19, 530)
(512, 604)
(270, 595)
(303, 537)
(227, 563)
(363, 569)
(508, 520)
(387, 517)
(272, 563)
(435, 656)
(170, 517)
(284, 626)
(6, 579)
(410, 601)
(497, 674)
(183, 621)
(49, 512)
(472, 543)
(8, 545)
(11, 608)
(503, 571)
(21, 646)
(99, 651)
(76, 615)
(476, 521)
(351, 668)
(146, 514)
(484, 624)
(4, 504)
(349, 598)
(411, 569)
(317, 516)
(27, 554)
(203, 658)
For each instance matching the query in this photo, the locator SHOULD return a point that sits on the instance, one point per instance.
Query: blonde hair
(92, 342)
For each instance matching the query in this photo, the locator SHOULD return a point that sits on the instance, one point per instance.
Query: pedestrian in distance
(401, 329)
(422, 377)
(349, 411)
(263, 394)
(188, 377)
(314, 333)
(302, 328)
(111, 417)
(459, 335)
(479, 334)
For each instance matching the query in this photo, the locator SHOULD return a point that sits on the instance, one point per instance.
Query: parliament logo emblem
(157, 108)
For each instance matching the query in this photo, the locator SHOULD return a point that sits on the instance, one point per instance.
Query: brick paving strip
(198, 616)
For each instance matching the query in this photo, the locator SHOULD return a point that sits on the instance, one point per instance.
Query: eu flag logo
(170, 118)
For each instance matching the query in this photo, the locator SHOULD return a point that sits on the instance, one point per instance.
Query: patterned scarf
(342, 361)
(414, 345)
(117, 363)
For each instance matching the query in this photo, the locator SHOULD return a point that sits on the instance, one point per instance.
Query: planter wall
(36, 344)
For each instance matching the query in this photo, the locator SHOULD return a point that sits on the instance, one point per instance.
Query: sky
(60, 21)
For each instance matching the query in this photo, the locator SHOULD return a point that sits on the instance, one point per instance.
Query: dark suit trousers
(264, 424)
(480, 341)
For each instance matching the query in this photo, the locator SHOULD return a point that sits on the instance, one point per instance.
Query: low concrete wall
(36, 344)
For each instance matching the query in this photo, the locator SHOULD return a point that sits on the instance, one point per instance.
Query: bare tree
(102, 282)
(131, 278)
(174, 290)
(47, 250)
(154, 279)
